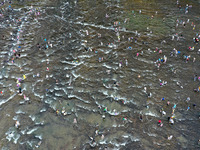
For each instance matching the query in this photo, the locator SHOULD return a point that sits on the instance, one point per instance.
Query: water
(85, 81)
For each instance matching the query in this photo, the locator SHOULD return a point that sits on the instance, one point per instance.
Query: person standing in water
(141, 117)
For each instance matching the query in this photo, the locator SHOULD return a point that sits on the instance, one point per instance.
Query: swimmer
(145, 89)
(168, 103)
(195, 77)
(20, 91)
(160, 123)
(75, 121)
(188, 99)
(120, 64)
(17, 124)
(102, 137)
(163, 113)
(57, 112)
(141, 117)
(174, 106)
(126, 62)
(171, 121)
(149, 95)
(39, 143)
(105, 109)
(194, 105)
(170, 137)
(63, 110)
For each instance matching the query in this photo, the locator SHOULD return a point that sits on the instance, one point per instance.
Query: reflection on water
(99, 74)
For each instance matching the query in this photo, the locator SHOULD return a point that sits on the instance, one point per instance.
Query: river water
(89, 66)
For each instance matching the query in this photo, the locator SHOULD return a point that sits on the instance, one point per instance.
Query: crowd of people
(163, 59)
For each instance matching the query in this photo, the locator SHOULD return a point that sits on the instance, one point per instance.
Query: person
(170, 137)
(120, 64)
(174, 106)
(194, 105)
(145, 89)
(24, 77)
(26, 98)
(171, 121)
(149, 95)
(165, 59)
(20, 90)
(93, 143)
(161, 110)
(168, 118)
(188, 99)
(163, 113)
(39, 143)
(63, 110)
(75, 121)
(105, 109)
(195, 77)
(57, 112)
(173, 110)
(102, 137)
(160, 123)
(141, 117)
(17, 124)
(126, 62)
(187, 58)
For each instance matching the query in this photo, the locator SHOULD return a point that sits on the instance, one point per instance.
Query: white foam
(20, 112)
(74, 96)
(32, 117)
(43, 110)
(151, 114)
(39, 137)
(32, 130)
(4, 101)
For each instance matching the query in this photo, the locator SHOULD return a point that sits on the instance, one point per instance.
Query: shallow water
(83, 84)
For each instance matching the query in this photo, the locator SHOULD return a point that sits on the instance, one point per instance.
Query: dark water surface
(85, 85)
